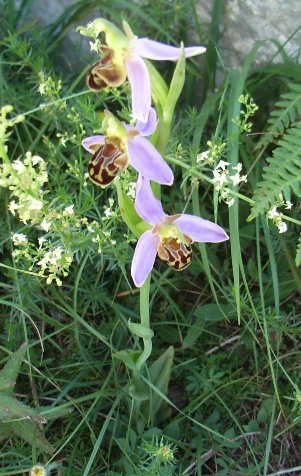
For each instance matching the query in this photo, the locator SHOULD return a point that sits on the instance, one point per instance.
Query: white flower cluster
(210, 156)
(222, 178)
(276, 216)
(55, 262)
(108, 211)
(25, 179)
(48, 261)
(49, 87)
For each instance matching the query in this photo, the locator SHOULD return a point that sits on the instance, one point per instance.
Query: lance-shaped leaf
(159, 375)
(9, 373)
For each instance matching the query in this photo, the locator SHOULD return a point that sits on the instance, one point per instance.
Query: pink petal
(201, 230)
(146, 204)
(89, 142)
(154, 50)
(144, 257)
(149, 127)
(140, 85)
(145, 158)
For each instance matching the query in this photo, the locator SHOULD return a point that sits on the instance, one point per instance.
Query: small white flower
(69, 210)
(108, 212)
(36, 160)
(282, 227)
(272, 214)
(41, 88)
(19, 238)
(288, 205)
(63, 141)
(238, 167)
(132, 190)
(41, 240)
(230, 202)
(222, 165)
(18, 166)
(219, 178)
(34, 203)
(202, 156)
(45, 225)
(93, 46)
(38, 470)
(235, 179)
(13, 206)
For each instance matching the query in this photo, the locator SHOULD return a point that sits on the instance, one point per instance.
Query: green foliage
(215, 397)
(283, 174)
(16, 417)
(286, 111)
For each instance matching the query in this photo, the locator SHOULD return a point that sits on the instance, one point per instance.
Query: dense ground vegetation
(230, 321)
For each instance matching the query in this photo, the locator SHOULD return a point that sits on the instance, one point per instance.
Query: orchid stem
(145, 321)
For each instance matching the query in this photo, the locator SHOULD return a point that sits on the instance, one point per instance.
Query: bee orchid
(122, 145)
(122, 57)
(170, 237)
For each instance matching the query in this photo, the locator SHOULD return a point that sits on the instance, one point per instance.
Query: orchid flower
(123, 58)
(170, 236)
(122, 145)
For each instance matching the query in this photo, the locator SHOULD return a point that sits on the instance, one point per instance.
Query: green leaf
(9, 373)
(128, 357)
(283, 174)
(140, 330)
(11, 408)
(28, 431)
(285, 113)
(159, 375)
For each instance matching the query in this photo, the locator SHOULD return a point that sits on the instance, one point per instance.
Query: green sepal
(158, 86)
(168, 102)
(115, 38)
(159, 375)
(176, 87)
(129, 214)
(141, 331)
(128, 357)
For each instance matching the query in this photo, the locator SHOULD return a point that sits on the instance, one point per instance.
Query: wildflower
(170, 236)
(45, 225)
(19, 239)
(220, 178)
(38, 470)
(288, 205)
(273, 213)
(282, 227)
(202, 156)
(122, 145)
(12, 207)
(222, 165)
(123, 57)
(69, 210)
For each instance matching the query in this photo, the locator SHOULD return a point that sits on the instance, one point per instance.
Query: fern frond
(286, 112)
(298, 254)
(283, 174)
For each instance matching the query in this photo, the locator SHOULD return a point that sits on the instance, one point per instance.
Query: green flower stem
(145, 321)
